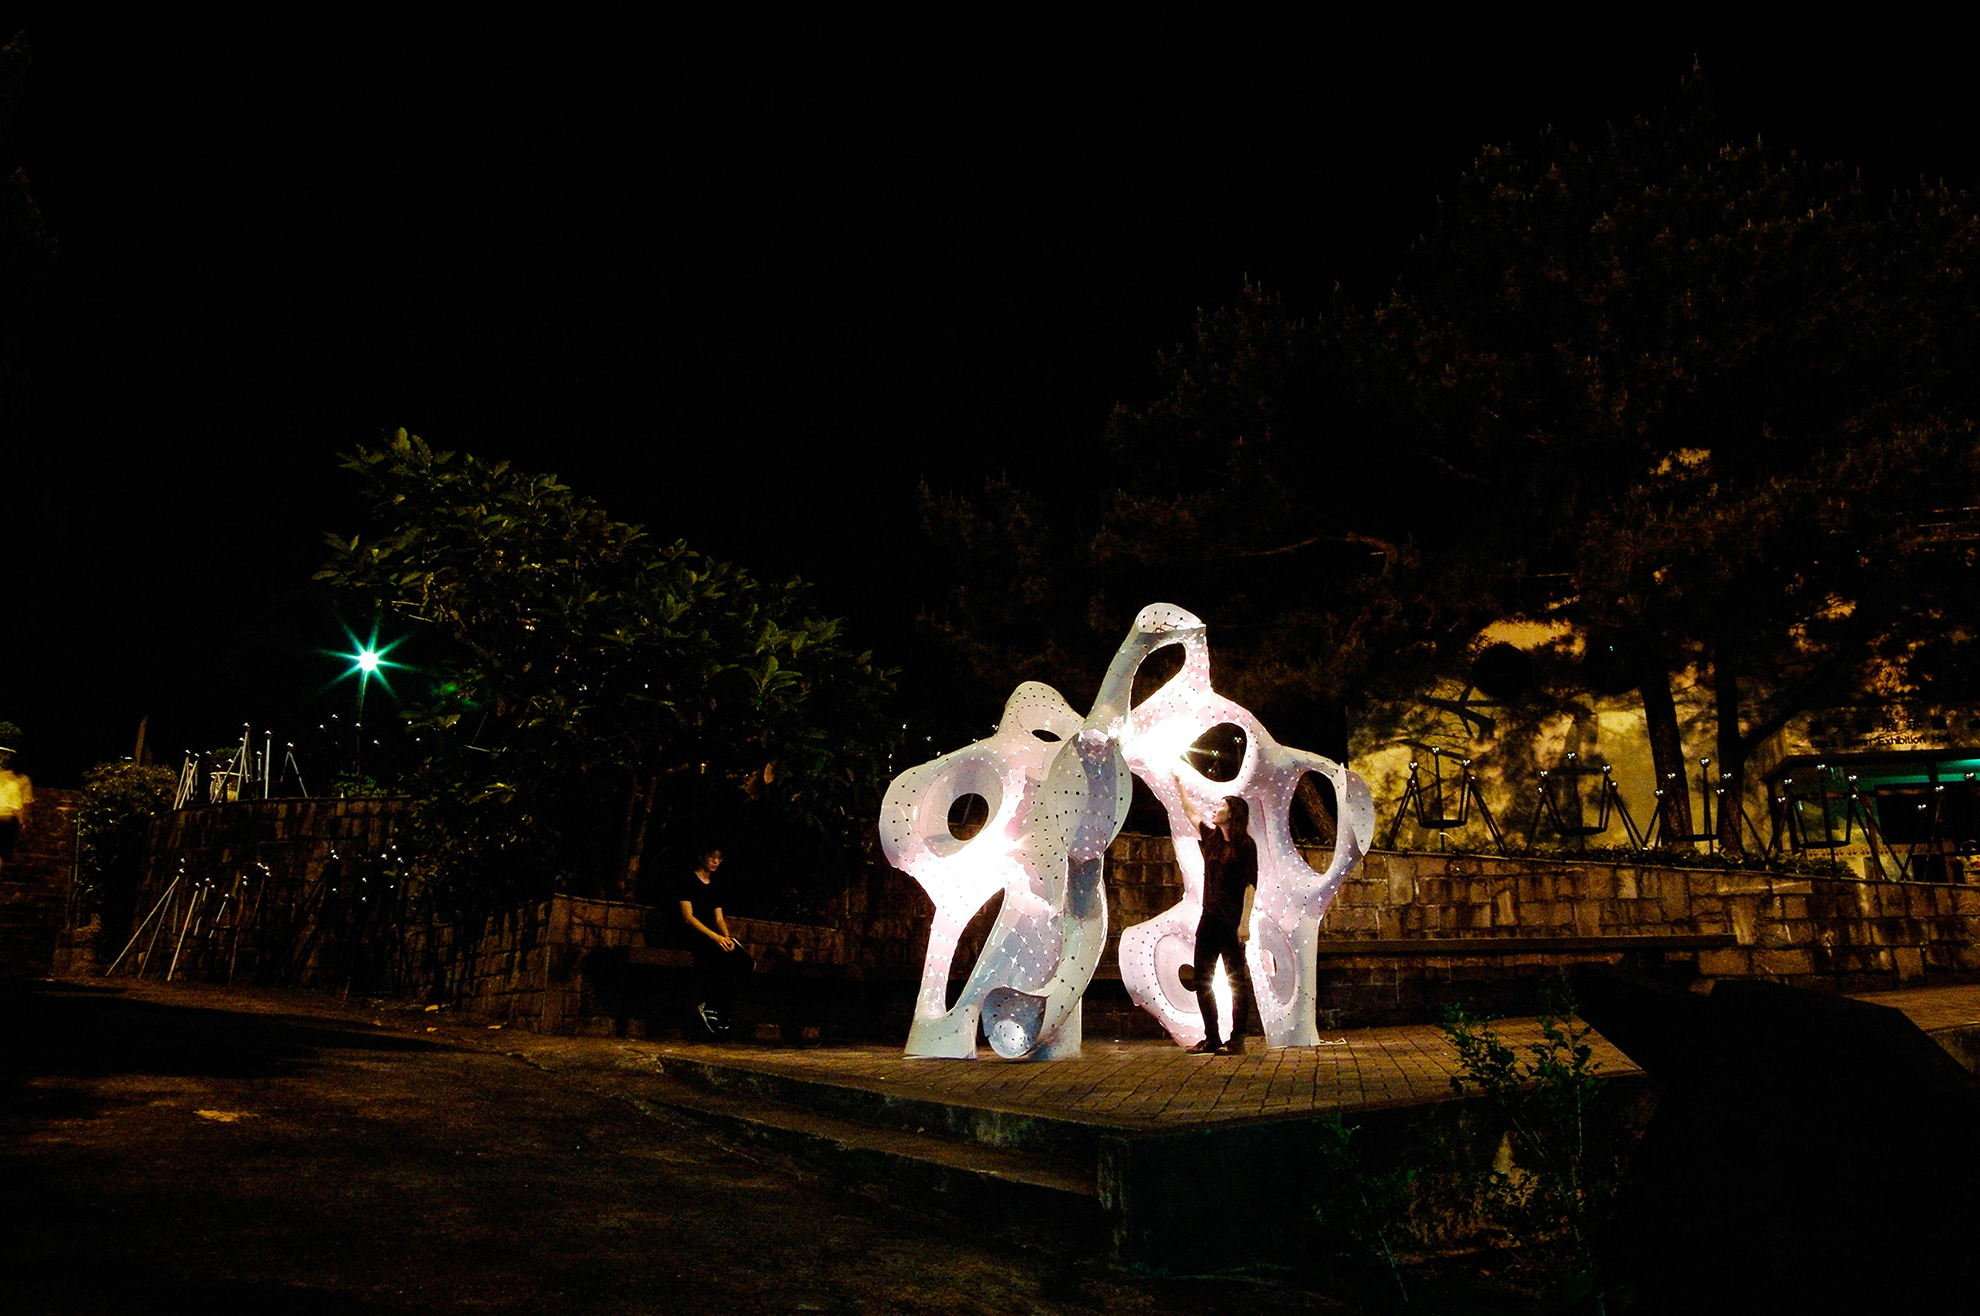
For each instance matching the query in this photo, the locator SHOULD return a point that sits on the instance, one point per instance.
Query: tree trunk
(626, 834)
(1315, 795)
(1732, 747)
(636, 842)
(1666, 753)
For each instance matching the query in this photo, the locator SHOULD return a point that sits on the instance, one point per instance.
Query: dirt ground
(192, 1149)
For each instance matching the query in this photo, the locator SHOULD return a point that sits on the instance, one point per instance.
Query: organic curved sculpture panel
(1291, 897)
(1056, 794)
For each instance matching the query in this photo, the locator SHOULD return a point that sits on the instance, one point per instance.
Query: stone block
(1362, 921)
(1744, 912)
(1400, 888)
(1598, 883)
(1504, 911)
(1626, 884)
(1730, 962)
(1909, 962)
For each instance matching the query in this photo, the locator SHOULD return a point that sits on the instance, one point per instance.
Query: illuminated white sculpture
(1057, 791)
(1292, 897)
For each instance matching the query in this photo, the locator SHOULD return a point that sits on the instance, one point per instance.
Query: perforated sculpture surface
(1056, 792)
(1055, 789)
(1292, 896)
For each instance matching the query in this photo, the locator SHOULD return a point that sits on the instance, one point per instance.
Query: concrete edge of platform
(1058, 1209)
(1961, 1042)
(989, 1124)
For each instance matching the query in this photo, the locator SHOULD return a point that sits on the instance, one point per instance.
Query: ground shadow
(72, 1031)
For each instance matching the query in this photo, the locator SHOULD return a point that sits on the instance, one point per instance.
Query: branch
(1350, 537)
(1802, 697)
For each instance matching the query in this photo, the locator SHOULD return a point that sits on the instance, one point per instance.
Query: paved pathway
(188, 1148)
(1156, 1084)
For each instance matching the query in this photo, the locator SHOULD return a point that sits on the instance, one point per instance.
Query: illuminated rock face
(1291, 898)
(1056, 789)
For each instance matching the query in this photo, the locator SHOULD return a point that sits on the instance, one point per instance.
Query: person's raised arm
(1189, 809)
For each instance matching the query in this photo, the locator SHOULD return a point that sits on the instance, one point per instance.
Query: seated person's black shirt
(705, 897)
(1229, 866)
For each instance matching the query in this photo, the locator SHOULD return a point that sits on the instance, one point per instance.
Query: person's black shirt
(1229, 866)
(706, 897)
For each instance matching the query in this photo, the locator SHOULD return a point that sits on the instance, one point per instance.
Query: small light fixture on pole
(367, 662)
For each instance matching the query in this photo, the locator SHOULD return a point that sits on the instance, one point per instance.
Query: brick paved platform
(1150, 1086)
(1153, 1085)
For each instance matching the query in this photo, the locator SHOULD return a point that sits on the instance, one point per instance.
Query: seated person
(718, 957)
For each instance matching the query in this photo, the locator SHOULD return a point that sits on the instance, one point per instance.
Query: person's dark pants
(715, 974)
(1217, 939)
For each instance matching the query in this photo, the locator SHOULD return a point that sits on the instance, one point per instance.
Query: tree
(1735, 388)
(1252, 491)
(1699, 401)
(119, 801)
(599, 687)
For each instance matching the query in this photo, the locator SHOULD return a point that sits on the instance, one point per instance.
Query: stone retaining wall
(529, 967)
(297, 892)
(312, 881)
(35, 883)
(1829, 933)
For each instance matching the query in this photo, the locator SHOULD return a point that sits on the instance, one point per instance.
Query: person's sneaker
(1234, 1047)
(710, 1021)
(1204, 1048)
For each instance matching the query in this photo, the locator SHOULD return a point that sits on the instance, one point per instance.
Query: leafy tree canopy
(118, 802)
(1704, 401)
(601, 688)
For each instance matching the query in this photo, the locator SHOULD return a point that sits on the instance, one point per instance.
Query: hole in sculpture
(967, 815)
(1049, 737)
(1314, 810)
(1156, 671)
(1219, 752)
(969, 946)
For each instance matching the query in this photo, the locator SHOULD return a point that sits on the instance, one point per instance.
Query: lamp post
(367, 661)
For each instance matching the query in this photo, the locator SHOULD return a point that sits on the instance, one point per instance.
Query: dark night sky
(742, 293)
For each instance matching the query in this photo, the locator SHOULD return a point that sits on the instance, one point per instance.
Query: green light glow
(367, 661)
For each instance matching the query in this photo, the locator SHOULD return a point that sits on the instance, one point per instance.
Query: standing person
(718, 957)
(1230, 876)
